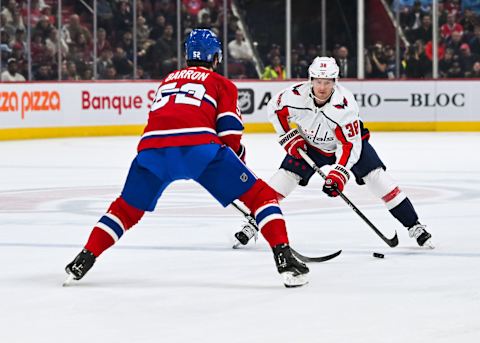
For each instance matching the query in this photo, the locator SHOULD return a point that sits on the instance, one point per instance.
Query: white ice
(174, 278)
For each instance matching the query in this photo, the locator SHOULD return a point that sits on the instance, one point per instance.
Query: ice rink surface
(174, 277)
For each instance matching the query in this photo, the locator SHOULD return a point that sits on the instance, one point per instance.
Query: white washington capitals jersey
(333, 128)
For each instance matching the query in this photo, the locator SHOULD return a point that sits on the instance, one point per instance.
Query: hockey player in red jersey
(194, 132)
(330, 130)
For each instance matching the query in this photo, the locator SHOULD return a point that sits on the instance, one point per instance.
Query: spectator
(417, 64)
(103, 62)
(123, 21)
(44, 73)
(239, 49)
(468, 22)
(158, 27)
(74, 29)
(72, 73)
(376, 64)
(211, 9)
(467, 59)
(111, 73)
(127, 44)
(455, 41)
(163, 54)
(475, 41)
(11, 74)
(123, 65)
(424, 32)
(102, 41)
(15, 25)
(105, 15)
(43, 27)
(450, 26)
(347, 65)
(274, 71)
(390, 60)
(192, 7)
(52, 44)
(445, 63)
(299, 66)
(455, 71)
(475, 71)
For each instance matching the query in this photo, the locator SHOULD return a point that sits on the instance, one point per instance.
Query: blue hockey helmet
(202, 45)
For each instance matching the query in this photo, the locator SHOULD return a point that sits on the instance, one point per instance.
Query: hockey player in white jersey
(329, 128)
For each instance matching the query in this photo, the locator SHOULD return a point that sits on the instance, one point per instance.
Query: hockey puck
(378, 255)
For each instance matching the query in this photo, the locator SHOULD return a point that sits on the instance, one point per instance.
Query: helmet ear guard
(202, 45)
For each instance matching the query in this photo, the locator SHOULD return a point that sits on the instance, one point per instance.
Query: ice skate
(245, 235)
(79, 266)
(293, 271)
(421, 235)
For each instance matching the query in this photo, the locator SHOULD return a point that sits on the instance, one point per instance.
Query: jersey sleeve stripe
(227, 123)
(346, 146)
(189, 130)
(229, 132)
(211, 100)
(282, 116)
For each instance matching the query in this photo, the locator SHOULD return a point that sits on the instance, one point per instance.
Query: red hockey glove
(241, 152)
(291, 142)
(336, 180)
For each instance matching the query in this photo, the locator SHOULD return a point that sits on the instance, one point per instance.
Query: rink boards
(40, 110)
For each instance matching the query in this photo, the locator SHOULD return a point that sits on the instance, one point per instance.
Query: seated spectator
(450, 26)
(43, 27)
(52, 44)
(445, 63)
(474, 42)
(162, 56)
(239, 49)
(455, 41)
(211, 9)
(11, 74)
(158, 27)
(102, 41)
(299, 67)
(74, 28)
(467, 59)
(192, 7)
(347, 65)
(275, 70)
(475, 73)
(390, 60)
(13, 26)
(468, 21)
(455, 71)
(72, 73)
(103, 62)
(424, 32)
(111, 73)
(123, 65)
(44, 73)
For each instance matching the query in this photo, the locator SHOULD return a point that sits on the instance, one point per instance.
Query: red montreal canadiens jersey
(193, 106)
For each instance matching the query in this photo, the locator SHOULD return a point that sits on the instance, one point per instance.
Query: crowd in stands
(73, 38)
(156, 54)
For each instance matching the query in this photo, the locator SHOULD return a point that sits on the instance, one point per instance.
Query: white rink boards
(174, 278)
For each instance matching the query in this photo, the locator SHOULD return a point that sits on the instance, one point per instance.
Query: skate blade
(428, 244)
(292, 281)
(68, 280)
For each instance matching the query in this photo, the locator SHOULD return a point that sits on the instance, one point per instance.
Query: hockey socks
(405, 213)
(112, 225)
(261, 199)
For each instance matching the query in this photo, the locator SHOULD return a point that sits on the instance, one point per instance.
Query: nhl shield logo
(246, 100)
(244, 177)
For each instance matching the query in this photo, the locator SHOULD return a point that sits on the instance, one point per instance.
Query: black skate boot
(81, 264)
(245, 235)
(423, 237)
(293, 271)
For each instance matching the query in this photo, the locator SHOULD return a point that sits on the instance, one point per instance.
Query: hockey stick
(393, 242)
(301, 257)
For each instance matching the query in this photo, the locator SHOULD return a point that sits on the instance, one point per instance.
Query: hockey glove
(336, 180)
(241, 152)
(291, 142)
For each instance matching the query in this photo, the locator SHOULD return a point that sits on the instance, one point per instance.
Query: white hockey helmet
(323, 68)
